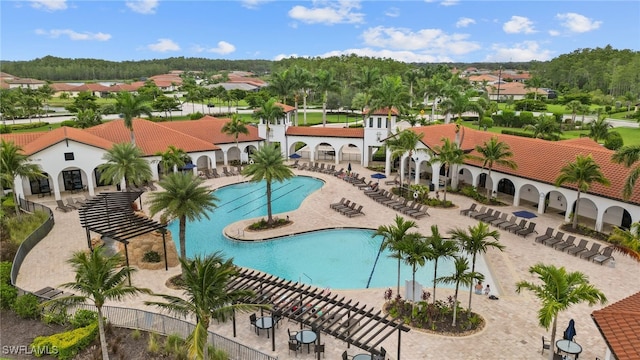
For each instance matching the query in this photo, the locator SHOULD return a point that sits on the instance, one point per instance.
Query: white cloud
(73, 35)
(341, 12)
(554, 32)
(164, 45)
(50, 5)
(517, 25)
(222, 48)
(404, 56)
(143, 6)
(578, 23)
(425, 40)
(392, 12)
(464, 22)
(449, 2)
(524, 51)
(253, 4)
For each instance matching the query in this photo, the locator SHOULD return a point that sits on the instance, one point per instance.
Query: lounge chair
(422, 212)
(226, 172)
(489, 219)
(354, 212)
(303, 166)
(78, 202)
(469, 209)
(341, 202)
(576, 249)
(330, 169)
(554, 240)
(395, 181)
(414, 207)
(546, 236)
(343, 210)
(363, 185)
(508, 223)
(343, 206)
(595, 250)
(214, 172)
(321, 168)
(70, 203)
(565, 244)
(517, 227)
(603, 256)
(488, 213)
(500, 220)
(528, 230)
(295, 164)
(483, 209)
(401, 205)
(62, 207)
(339, 172)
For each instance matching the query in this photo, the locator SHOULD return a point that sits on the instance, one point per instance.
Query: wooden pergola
(111, 215)
(358, 325)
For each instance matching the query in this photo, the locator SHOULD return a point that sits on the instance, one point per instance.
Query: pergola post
(164, 247)
(126, 254)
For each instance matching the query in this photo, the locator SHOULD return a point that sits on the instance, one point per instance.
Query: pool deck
(511, 332)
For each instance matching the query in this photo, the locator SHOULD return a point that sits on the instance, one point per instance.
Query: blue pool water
(337, 258)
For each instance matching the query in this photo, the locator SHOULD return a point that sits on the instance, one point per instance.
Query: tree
(268, 165)
(599, 129)
(171, 158)
(476, 241)
(628, 156)
(282, 84)
(416, 251)
(583, 172)
(627, 241)
(411, 76)
(461, 276)
(99, 278)
(85, 100)
(124, 161)
(460, 102)
(405, 142)
(544, 127)
(206, 296)
(388, 95)
(495, 152)
(533, 83)
(165, 104)
(325, 81)
(269, 112)
(557, 291)
(392, 237)
(130, 106)
(574, 107)
(13, 163)
(448, 154)
(88, 118)
(235, 127)
(302, 82)
(184, 198)
(439, 248)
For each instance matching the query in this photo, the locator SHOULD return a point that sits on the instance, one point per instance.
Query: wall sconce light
(378, 134)
(528, 189)
(559, 197)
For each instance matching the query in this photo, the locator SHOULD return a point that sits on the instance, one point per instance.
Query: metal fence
(33, 239)
(166, 325)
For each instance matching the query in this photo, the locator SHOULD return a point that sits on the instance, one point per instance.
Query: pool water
(337, 258)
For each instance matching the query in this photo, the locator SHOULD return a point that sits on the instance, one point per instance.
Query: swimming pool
(337, 258)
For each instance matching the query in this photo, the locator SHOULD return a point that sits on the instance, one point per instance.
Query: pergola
(111, 215)
(357, 325)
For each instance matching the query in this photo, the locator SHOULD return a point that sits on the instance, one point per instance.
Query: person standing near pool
(487, 290)
(479, 288)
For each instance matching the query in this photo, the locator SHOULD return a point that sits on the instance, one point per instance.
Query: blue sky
(410, 31)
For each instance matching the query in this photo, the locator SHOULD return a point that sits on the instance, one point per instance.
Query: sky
(409, 31)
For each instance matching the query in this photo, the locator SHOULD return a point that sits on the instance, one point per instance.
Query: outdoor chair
(346, 356)
(546, 344)
(343, 206)
(529, 230)
(488, 219)
(71, 204)
(595, 250)
(79, 202)
(517, 227)
(401, 205)
(502, 218)
(62, 207)
(295, 164)
(565, 244)
(546, 236)
(252, 320)
(319, 348)
(508, 223)
(330, 169)
(363, 185)
(420, 213)
(354, 212)
(341, 202)
(392, 182)
(474, 213)
(321, 168)
(481, 217)
(469, 209)
(604, 256)
(303, 166)
(294, 345)
(225, 171)
(408, 209)
(343, 210)
(576, 249)
(554, 240)
(339, 172)
(292, 335)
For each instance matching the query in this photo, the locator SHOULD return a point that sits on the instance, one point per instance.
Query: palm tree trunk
(269, 217)
(304, 107)
(455, 304)
(553, 337)
(575, 213)
(296, 106)
(103, 336)
(485, 184)
(445, 183)
(133, 137)
(435, 273)
(473, 269)
(324, 110)
(16, 202)
(182, 237)
(398, 289)
(413, 290)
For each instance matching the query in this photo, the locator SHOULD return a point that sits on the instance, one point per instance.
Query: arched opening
(299, 148)
(506, 187)
(587, 212)
(72, 180)
(555, 202)
(465, 178)
(350, 152)
(40, 186)
(615, 216)
(233, 156)
(529, 194)
(325, 152)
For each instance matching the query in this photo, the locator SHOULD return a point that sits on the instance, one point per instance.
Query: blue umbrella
(295, 156)
(378, 176)
(570, 332)
(188, 166)
(349, 168)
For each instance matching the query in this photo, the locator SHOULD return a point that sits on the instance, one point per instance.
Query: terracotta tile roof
(513, 88)
(63, 87)
(209, 129)
(25, 81)
(326, 131)
(35, 142)
(384, 111)
(285, 108)
(539, 159)
(22, 139)
(619, 324)
(4, 84)
(150, 137)
(480, 78)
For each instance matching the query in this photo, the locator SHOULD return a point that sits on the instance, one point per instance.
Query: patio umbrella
(188, 166)
(570, 332)
(295, 156)
(378, 176)
(349, 168)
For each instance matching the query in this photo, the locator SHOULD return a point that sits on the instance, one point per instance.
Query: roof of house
(513, 88)
(326, 131)
(480, 78)
(385, 112)
(35, 142)
(619, 324)
(538, 159)
(151, 137)
(209, 129)
(25, 81)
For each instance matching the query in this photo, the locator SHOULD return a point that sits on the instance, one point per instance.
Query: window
(379, 123)
(370, 122)
(68, 156)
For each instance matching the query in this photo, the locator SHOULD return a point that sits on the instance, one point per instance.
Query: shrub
(508, 117)
(613, 141)
(5, 272)
(55, 316)
(195, 116)
(8, 295)
(69, 123)
(151, 257)
(153, 346)
(526, 117)
(28, 126)
(23, 226)
(486, 122)
(26, 306)
(4, 129)
(67, 344)
(136, 334)
(83, 318)
(530, 105)
(498, 119)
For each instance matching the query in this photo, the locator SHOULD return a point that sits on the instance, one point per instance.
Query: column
(541, 200)
(417, 176)
(387, 163)
(90, 184)
(435, 179)
(599, 220)
(224, 157)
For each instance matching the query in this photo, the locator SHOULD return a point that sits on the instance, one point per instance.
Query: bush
(498, 119)
(21, 227)
(69, 123)
(526, 118)
(83, 318)
(26, 306)
(8, 295)
(151, 257)
(55, 316)
(508, 117)
(67, 344)
(28, 126)
(5, 272)
(486, 122)
(4, 129)
(195, 116)
(613, 141)
(530, 105)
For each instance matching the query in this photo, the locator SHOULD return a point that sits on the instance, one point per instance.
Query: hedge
(65, 345)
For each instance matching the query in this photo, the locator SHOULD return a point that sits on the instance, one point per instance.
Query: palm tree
(99, 278)
(461, 276)
(436, 87)
(460, 102)
(13, 163)
(629, 155)
(282, 84)
(583, 172)
(392, 237)
(448, 154)
(439, 248)
(475, 242)
(388, 95)
(171, 158)
(130, 106)
(124, 161)
(302, 82)
(368, 79)
(405, 142)
(574, 107)
(269, 112)
(495, 152)
(268, 165)
(559, 290)
(627, 241)
(325, 81)
(206, 296)
(87, 118)
(235, 127)
(411, 76)
(533, 83)
(183, 198)
(599, 129)
(416, 251)
(544, 126)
